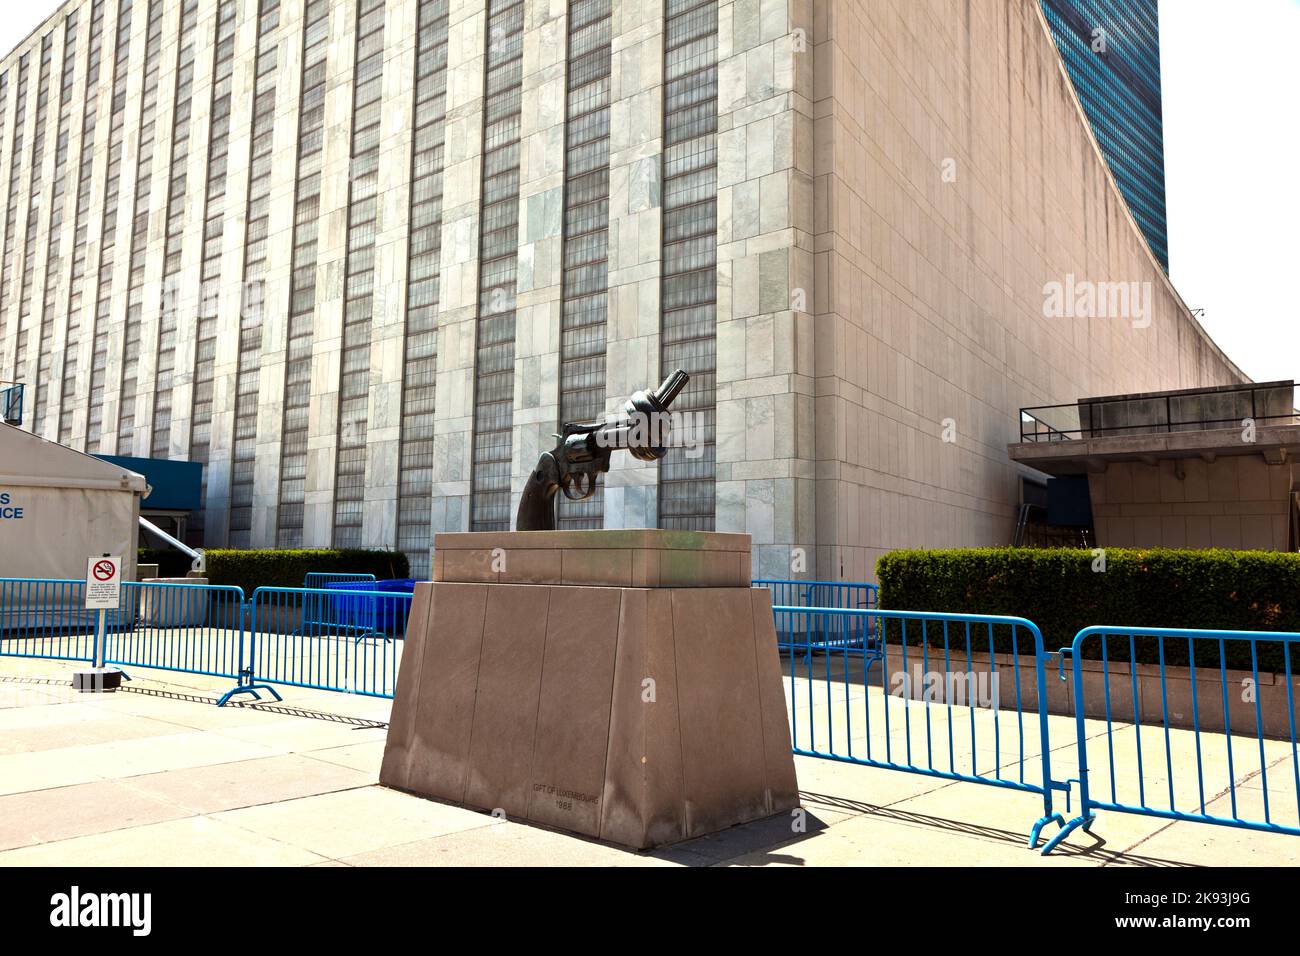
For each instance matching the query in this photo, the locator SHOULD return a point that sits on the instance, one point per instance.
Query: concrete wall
(955, 177)
(1239, 502)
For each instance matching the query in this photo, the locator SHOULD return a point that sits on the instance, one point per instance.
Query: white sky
(1230, 79)
(1231, 86)
(21, 17)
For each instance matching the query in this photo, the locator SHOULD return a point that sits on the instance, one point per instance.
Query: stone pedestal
(624, 685)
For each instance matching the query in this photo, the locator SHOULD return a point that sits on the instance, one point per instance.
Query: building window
(139, 233)
(54, 239)
(176, 192)
(214, 221)
(302, 285)
(494, 366)
(76, 288)
(358, 306)
(108, 238)
(251, 311)
(415, 466)
(15, 192)
(586, 234)
(689, 291)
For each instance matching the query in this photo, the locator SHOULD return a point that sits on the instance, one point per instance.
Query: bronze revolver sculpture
(575, 464)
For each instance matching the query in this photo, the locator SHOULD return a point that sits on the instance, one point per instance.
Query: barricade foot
(249, 689)
(1038, 827)
(1081, 821)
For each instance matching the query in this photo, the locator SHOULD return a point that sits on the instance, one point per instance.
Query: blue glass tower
(1111, 50)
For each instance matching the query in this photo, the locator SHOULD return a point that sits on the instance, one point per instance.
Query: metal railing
(190, 628)
(328, 639)
(319, 611)
(46, 618)
(1142, 779)
(307, 637)
(1270, 403)
(944, 680)
(855, 634)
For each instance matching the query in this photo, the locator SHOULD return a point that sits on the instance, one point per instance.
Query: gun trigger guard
(578, 486)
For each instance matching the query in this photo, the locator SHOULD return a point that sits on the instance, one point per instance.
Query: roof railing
(1270, 403)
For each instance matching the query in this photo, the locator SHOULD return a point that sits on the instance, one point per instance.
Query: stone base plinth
(637, 715)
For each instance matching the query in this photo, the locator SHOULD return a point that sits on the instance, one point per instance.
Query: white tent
(58, 507)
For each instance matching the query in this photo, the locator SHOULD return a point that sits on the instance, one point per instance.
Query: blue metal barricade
(1230, 736)
(46, 618)
(829, 594)
(944, 706)
(329, 611)
(323, 579)
(856, 634)
(176, 626)
(292, 643)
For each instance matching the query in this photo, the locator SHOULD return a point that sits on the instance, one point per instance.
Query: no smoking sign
(104, 583)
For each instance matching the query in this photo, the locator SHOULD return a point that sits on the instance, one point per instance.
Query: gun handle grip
(537, 505)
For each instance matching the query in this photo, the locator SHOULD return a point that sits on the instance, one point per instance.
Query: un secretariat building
(359, 258)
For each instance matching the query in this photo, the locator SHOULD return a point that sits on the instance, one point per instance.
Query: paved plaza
(156, 775)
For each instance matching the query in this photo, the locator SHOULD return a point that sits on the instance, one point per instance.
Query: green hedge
(269, 568)
(1058, 590)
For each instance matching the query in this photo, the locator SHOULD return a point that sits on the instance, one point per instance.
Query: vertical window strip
(165, 347)
(415, 466)
(35, 199)
(359, 276)
(54, 239)
(80, 235)
(251, 313)
(15, 182)
(494, 365)
(108, 240)
(214, 220)
(45, 372)
(689, 278)
(4, 117)
(139, 232)
(586, 234)
(302, 284)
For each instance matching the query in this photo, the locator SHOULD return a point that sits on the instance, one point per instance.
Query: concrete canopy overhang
(1276, 443)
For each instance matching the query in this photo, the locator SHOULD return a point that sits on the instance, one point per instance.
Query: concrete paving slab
(246, 783)
(128, 758)
(352, 822)
(42, 770)
(893, 838)
(505, 844)
(187, 713)
(193, 841)
(365, 757)
(299, 736)
(93, 727)
(46, 816)
(1204, 845)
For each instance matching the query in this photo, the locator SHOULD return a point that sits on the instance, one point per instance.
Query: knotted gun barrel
(575, 464)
